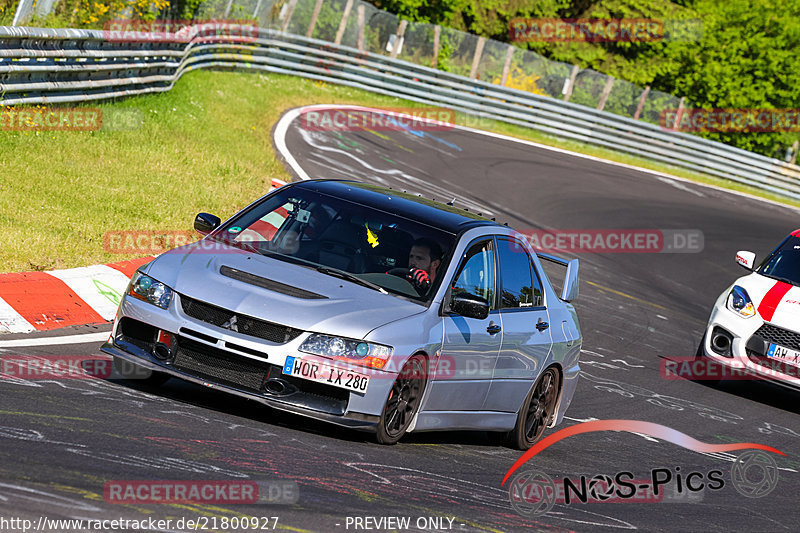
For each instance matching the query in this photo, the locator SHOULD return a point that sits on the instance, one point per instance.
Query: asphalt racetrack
(61, 441)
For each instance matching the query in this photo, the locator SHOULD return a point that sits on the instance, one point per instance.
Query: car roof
(435, 214)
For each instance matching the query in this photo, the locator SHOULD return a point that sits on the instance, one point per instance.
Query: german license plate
(324, 373)
(784, 354)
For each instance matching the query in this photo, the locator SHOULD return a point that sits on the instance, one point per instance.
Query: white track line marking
(283, 125)
(280, 140)
(85, 338)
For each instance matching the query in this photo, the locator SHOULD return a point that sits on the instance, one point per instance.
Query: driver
(424, 259)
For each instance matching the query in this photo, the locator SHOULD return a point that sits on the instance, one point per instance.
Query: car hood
(325, 304)
(776, 302)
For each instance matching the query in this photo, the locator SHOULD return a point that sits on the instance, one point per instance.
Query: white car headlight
(359, 352)
(739, 302)
(152, 291)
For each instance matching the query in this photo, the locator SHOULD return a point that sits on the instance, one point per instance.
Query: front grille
(226, 368)
(780, 336)
(243, 324)
(219, 366)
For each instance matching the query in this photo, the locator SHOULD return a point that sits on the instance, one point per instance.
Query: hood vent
(269, 284)
(244, 324)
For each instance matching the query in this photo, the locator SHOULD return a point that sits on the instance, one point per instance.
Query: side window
(521, 286)
(477, 275)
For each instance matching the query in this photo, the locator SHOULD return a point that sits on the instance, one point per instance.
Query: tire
(537, 411)
(132, 372)
(403, 401)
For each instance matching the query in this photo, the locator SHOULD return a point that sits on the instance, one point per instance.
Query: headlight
(149, 290)
(739, 302)
(359, 352)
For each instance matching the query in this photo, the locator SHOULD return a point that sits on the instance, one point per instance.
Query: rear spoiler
(569, 291)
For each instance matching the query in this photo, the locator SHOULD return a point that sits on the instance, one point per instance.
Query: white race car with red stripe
(754, 328)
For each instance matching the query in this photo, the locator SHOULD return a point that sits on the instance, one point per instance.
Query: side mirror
(205, 223)
(469, 305)
(569, 291)
(746, 259)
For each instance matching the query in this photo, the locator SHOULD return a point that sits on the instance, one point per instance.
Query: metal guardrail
(64, 65)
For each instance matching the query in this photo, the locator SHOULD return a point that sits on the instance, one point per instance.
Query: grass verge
(203, 146)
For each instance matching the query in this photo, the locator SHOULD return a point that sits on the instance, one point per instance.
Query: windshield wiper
(350, 277)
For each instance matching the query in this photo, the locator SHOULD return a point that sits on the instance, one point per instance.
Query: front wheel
(537, 411)
(403, 400)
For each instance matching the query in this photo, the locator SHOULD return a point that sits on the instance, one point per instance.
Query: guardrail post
(314, 17)
(343, 23)
(640, 107)
(257, 9)
(361, 17)
(20, 13)
(289, 12)
(228, 8)
(568, 86)
(398, 38)
(477, 57)
(678, 115)
(437, 32)
(795, 148)
(606, 92)
(507, 64)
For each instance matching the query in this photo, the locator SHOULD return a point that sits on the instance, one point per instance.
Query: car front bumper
(304, 397)
(748, 354)
(349, 419)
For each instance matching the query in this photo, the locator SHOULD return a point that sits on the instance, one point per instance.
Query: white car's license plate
(322, 373)
(784, 354)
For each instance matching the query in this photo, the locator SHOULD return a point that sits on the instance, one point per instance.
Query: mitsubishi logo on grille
(231, 324)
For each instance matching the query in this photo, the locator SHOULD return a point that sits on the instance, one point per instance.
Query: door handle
(492, 329)
(542, 325)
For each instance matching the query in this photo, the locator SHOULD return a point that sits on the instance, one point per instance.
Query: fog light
(721, 342)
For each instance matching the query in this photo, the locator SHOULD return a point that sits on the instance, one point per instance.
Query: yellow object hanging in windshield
(372, 238)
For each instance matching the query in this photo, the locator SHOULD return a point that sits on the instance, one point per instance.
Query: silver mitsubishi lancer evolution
(361, 306)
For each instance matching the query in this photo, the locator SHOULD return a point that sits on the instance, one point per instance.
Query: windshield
(318, 230)
(784, 263)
